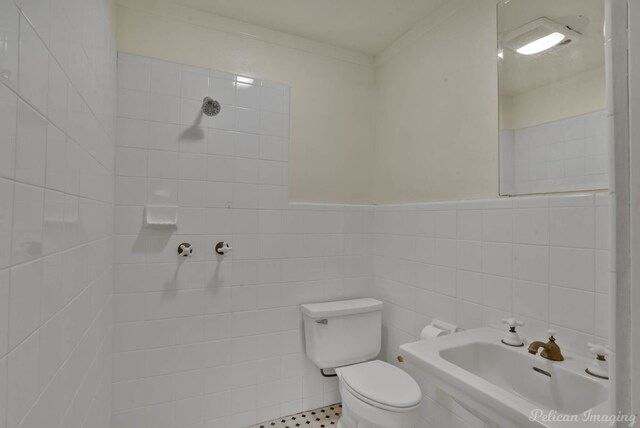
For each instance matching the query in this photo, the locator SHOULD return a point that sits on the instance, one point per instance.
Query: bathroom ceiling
(367, 26)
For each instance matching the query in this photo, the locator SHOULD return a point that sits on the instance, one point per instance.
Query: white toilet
(344, 336)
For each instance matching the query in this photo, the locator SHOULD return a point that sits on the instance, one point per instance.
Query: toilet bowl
(376, 394)
(346, 336)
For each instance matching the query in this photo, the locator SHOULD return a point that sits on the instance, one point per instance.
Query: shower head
(210, 107)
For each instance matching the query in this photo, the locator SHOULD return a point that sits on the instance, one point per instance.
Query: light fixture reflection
(246, 80)
(542, 44)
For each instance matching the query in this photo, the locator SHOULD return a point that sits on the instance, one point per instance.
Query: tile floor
(323, 417)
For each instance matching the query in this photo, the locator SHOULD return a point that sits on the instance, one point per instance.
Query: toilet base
(358, 414)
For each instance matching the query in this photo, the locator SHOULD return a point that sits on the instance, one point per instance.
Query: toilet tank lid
(341, 307)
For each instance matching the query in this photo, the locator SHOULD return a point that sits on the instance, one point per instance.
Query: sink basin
(503, 385)
(548, 387)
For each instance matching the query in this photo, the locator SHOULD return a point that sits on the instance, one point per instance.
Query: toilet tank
(342, 332)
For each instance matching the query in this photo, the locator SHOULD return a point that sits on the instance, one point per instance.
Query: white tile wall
(542, 259)
(473, 263)
(210, 341)
(57, 132)
(565, 155)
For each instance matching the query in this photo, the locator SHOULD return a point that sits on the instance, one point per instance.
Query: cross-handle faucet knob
(601, 351)
(185, 249)
(223, 248)
(599, 366)
(512, 323)
(512, 338)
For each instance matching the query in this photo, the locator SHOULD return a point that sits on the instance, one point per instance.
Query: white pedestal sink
(505, 385)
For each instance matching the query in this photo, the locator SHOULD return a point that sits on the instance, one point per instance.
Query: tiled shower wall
(57, 132)
(560, 156)
(211, 341)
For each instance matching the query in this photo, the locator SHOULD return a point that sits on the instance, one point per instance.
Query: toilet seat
(381, 385)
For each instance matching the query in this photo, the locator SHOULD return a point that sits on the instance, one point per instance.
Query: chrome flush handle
(323, 321)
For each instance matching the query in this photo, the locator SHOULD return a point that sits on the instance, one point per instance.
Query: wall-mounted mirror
(553, 121)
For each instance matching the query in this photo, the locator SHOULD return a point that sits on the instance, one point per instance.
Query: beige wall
(110, 10)
(437, 109)
(573, 96)
(417, 124)
(332, 121)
